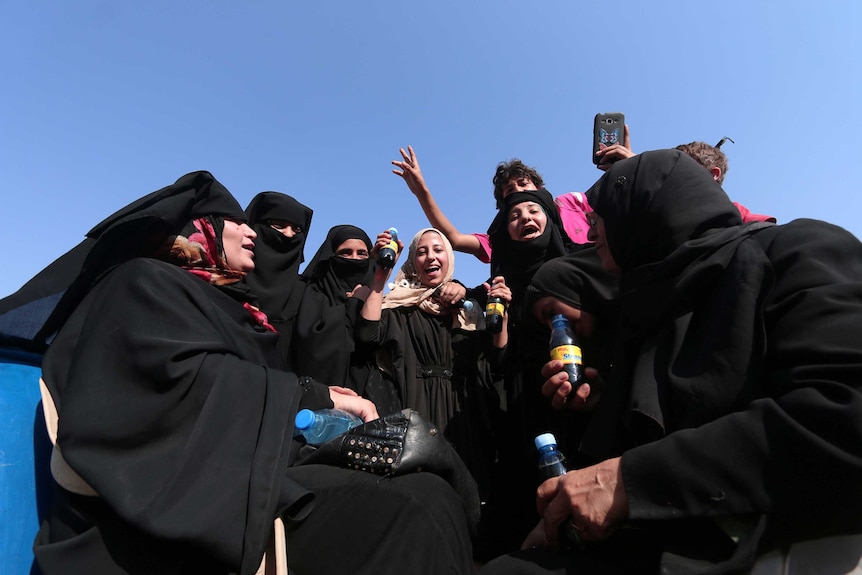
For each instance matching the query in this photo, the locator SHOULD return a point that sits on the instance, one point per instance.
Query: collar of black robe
(276, 272)
(140, 229)
(333, 274)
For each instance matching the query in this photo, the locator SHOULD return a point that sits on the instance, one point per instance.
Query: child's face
(521, 184)
(527, 221)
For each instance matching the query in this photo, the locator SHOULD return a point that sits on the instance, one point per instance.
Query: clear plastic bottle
(320, 426)
(552, 463)
(564, 346)
(387, 256)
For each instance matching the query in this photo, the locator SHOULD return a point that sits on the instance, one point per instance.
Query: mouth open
(529, 231)
(432, 270)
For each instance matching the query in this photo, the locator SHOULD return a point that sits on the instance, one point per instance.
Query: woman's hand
(384, 238)
(558, 389)
(348, 400)
(593, 498)
(450, 293)
(498, 288)
(409, 170)
(359, 292)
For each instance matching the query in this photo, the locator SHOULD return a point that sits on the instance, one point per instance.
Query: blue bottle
(552, 463)
(564, 346)
(387, 256)
(320, 426)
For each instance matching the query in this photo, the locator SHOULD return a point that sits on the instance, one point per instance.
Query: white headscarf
(407, 290)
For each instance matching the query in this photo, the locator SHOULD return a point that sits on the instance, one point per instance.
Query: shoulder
(575, 201)
(810, 257)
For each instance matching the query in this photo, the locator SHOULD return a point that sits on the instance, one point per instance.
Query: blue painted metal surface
(24, 460)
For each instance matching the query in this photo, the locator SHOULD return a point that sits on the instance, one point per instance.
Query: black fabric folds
(275, 280)
(734, 397)
(326, 347)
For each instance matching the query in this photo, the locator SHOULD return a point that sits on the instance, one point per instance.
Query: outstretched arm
(412, 174)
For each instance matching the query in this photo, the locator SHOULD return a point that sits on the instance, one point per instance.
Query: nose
(248, 232)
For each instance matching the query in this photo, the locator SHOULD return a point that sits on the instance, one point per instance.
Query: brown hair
(514, 168)
(707, 156)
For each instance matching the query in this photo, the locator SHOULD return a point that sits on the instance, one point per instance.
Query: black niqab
(275, 280)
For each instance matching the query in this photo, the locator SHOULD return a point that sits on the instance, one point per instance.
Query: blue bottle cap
(468, 305)
(559, 320)
(544, 440)
(394, 233)
(304, 419)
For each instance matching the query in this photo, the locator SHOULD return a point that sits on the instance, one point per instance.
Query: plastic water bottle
(387, 256)
(552, 463)
(564, 346)
(320, 426)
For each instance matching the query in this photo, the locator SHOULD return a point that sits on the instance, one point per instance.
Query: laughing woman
(176, 419)
(432, 350)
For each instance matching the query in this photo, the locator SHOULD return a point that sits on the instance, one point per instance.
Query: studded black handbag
(396, 444)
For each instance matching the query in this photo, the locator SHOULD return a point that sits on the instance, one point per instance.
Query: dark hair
(514, 168)
(707, 156)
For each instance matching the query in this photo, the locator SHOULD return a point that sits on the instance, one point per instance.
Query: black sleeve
(169, 411)
(797, 453)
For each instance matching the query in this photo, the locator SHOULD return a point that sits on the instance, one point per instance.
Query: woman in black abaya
(731, 421)
(330, 309)
(176, 419)
(526, 233)
(433, 353)
(282, 225)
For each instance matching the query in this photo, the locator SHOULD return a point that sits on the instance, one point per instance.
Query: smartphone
(608, 129)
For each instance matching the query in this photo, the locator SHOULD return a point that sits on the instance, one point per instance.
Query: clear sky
(105, 101)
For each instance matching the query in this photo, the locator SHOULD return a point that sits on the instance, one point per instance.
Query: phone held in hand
(608, 129)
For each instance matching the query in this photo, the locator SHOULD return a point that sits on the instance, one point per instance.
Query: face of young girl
(431, 260)
(527, 221)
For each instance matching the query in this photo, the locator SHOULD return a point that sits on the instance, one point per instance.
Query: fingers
(343, 390)
(557, 388)
(552, 367)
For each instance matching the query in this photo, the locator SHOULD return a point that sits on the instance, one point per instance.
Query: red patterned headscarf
(199, 249)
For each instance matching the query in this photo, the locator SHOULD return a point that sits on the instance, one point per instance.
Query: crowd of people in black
(719, 421)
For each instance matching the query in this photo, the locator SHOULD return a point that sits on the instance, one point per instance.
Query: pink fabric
(573, 211)
(747, 216)
(485, 242)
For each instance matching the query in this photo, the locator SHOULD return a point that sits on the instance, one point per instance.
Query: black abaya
(275, 280)
(175, 409)
(326, 348)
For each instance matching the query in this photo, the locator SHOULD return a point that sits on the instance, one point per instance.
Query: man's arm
(412, 174)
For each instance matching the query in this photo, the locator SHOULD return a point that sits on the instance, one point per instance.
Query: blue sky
(103, 102)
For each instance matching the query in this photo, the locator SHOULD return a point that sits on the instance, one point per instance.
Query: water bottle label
(567, 354)
(392, 245)
(494, 308)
